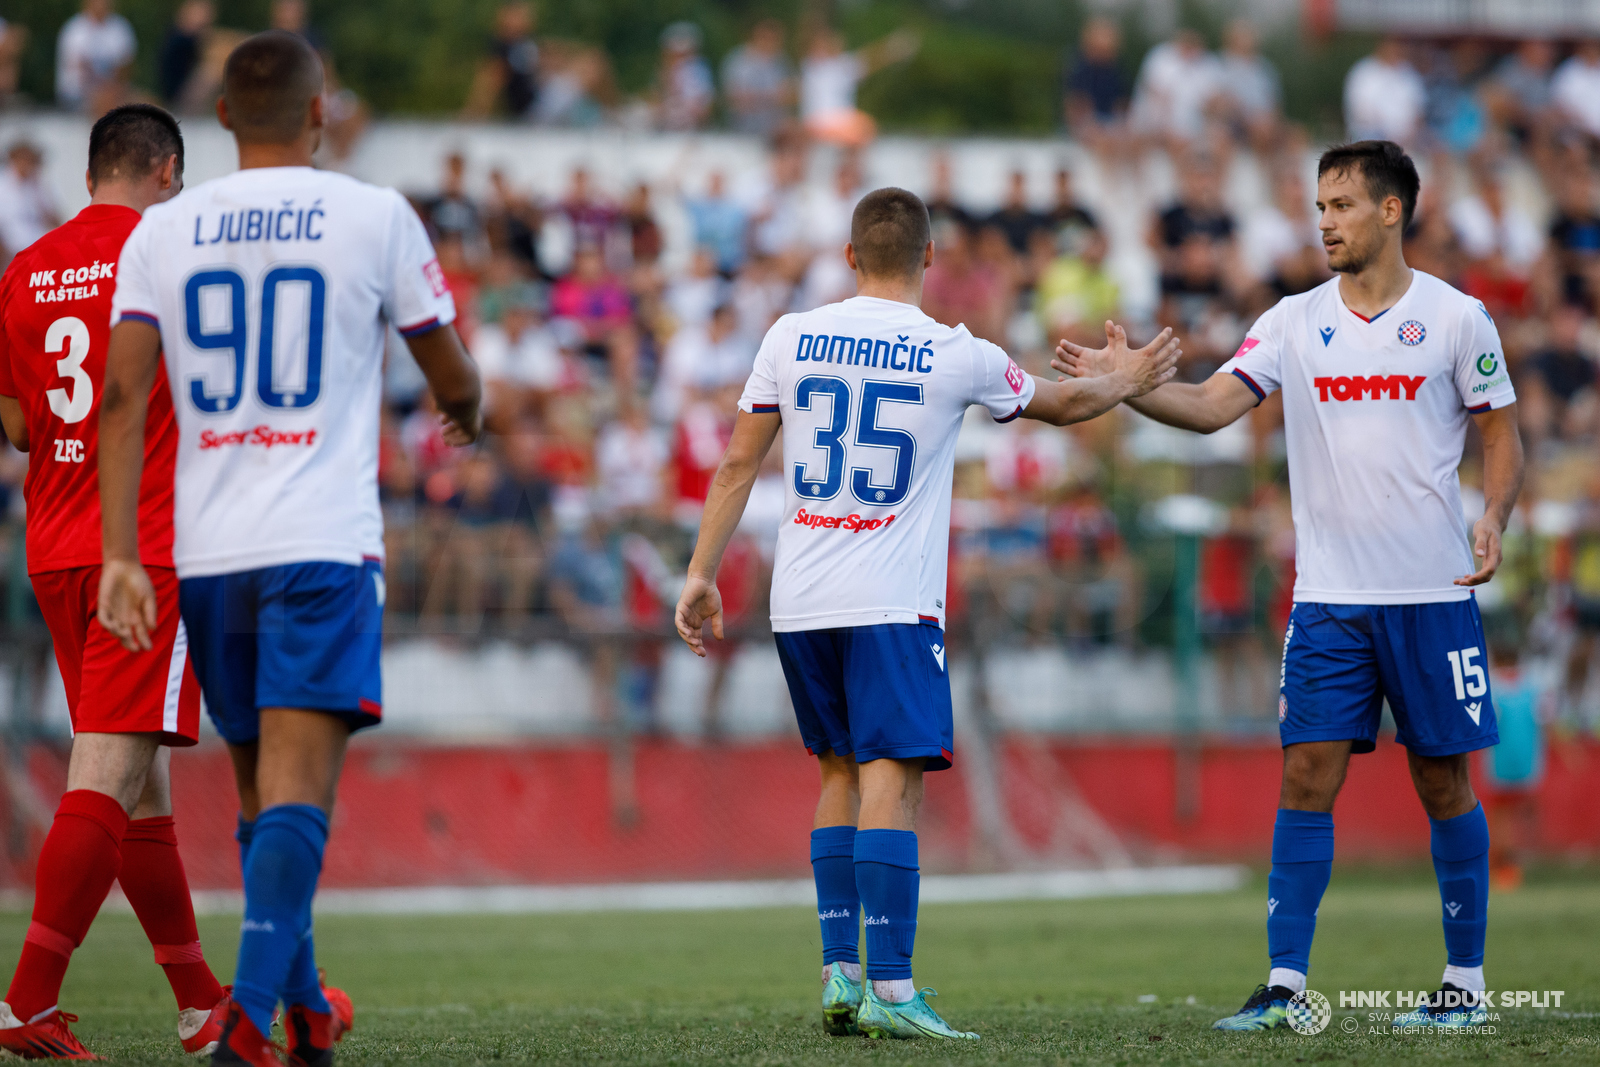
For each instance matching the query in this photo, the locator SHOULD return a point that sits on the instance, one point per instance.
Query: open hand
(699, 604)
(1146, 368)
(1486, 549)
(127, 603)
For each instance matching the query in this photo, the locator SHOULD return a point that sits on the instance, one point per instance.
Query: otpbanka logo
(1309, 1012)
(1487, 364)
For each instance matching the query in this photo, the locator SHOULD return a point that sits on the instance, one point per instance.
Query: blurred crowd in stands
(613, 368)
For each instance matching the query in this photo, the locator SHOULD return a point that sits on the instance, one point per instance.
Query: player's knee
(1311, 778)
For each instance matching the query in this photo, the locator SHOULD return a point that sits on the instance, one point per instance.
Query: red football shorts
(109, 689)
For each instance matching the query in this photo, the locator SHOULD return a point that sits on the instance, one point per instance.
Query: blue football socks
(280, 878)
(1461, 862)
(247, 828)
(1302, 863)
(838, 905)
(887, 880)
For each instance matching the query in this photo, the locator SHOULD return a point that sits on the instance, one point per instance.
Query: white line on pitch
(714, 896)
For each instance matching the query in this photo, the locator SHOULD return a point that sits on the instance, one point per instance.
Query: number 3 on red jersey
(71, 334)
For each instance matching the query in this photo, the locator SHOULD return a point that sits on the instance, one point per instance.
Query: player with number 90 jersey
(271, 288)
(872, 393)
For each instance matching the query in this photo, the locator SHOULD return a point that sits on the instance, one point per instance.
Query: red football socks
(77, 865)
(153, 880)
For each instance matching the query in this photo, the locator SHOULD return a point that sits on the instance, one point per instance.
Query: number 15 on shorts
(1469, 678)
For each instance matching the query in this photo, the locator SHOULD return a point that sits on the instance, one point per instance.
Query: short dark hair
(268, 82)
(1385, 166)
(890, 232)
(131, 141)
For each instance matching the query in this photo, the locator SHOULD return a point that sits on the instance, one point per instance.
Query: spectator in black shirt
(1070, 220)
(1016, 220)
(507, 81)
(1198, 213)
(1574, 251)
(180, 51)
(942, 204)
(1094, 92)
(1560, 381)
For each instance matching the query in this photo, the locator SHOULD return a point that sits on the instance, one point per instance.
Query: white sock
(1293, 981)
(1468, 978)
(851, 971)
(895, 990)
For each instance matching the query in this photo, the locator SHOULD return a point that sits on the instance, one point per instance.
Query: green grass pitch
(1044, 982)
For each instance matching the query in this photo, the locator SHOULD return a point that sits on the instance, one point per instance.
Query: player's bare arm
(1203, 408)
(453, 378)
(127, 599)
(1125, 373)
(16, 425)
(1502, 484)
(700, 603)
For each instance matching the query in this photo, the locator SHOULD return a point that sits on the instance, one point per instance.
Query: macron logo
(1327, 335)
(1452, 908)
(1272, 905)
(1475, 709)
(938, 654)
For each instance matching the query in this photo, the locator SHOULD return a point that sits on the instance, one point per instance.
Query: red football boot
(48, 1039)
(200, 1030)
(312, 1034)
(241, 1043)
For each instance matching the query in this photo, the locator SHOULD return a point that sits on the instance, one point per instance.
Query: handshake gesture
(1142, 369)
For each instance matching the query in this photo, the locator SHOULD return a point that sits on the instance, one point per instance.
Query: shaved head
(268, 84)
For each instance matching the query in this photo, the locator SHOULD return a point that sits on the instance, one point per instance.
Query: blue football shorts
(300, 635)
(878, 692)
(1341, 661)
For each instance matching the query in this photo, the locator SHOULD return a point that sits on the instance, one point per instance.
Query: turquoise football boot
(880, 1018)
(1267, 1009)
(1446, 1011)
(841, 1001)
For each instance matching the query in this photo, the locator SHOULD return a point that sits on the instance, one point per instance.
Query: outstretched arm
(1124, 373)
(127, 599)
(1203, 408)
(730, 490)
(1502, 484)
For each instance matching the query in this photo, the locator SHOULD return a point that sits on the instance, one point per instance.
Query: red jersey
(55, 327)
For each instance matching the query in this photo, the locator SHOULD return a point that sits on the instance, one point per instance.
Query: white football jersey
(272, 288)
(871, 393)
(1375, 416)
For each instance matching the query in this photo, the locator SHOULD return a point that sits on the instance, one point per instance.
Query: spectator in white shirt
(1384, 96)
(1250, 85)
(519, 357)
(1281, 245)
(1576, 88)
(828, 79)
(1487, 225)
(93, 54)
(27, 209)
(1178, 82)
(631, 457)
(684, 88)
(701, 360)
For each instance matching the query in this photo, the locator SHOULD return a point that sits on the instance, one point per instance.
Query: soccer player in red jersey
(115, 821)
